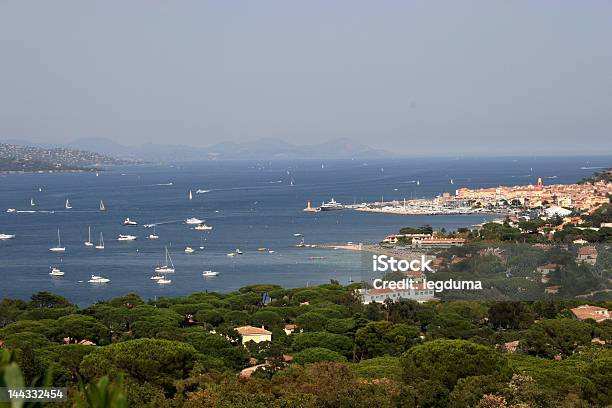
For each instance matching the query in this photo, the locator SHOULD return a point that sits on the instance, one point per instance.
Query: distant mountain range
(263, 149)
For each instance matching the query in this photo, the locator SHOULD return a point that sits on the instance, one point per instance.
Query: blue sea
(250, 204)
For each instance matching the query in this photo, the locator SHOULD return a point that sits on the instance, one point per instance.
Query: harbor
(441, 205)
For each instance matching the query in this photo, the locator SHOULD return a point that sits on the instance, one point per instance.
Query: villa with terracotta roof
(587, 254)
(254, 334)
(599, 314)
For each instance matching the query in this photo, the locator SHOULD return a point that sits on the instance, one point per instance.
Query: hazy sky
(430, 77)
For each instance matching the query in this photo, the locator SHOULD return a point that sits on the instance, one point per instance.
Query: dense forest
(327, 349)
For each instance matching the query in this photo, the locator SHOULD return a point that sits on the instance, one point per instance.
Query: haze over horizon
(408, 77)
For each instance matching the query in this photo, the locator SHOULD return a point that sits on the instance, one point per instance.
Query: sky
(412, 77)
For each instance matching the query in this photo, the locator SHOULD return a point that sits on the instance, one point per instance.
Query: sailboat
(32, 203)
(452, 181)
(169, 265)
(59, 247)
(154, 234)
(68, 206)
(101, 244)
(190, 195)
(102, 207)
(88, 242)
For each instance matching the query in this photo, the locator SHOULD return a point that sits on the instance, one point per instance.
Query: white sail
(32, 203)
(88, 242)
(190, 195)
(59, 247)
(68, 206)
(101, 244)
(102, 207)
(168, 267)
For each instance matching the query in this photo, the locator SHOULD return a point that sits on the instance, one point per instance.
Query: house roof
(588, 250)
(252, 331)
(548, 266)
(591, 312)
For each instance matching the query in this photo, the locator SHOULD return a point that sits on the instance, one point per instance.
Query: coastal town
(549, 241)
(553, 199)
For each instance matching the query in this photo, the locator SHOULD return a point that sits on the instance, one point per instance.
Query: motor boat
(331, 205)
(6, 236)
(156, 277)
(202, 227)
(193, 221)
(11, 210)
(210, 274)
(189, 250)
(126, 237)
(56, 272)
(98, 279)
(129, 223)
(164, 281)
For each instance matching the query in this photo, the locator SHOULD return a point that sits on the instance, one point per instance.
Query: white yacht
(88, 242)
(210, 273)
(98, 279)
(6, 236)
(331, 205)
(168, 267)
(164, 281)
(126, 237)
(231, 254)
(189, 250)
(11, 210)
(56, 272)
(68, 206)
(101, 244)
(193, 221)
(59, 247)
(199, 191)
(156, 277)
(129, 223)
(202, 227)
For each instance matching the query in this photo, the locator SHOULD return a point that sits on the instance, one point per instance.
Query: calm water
(250, 205)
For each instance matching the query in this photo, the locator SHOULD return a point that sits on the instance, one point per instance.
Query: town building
(599, 314)
(254, 334)
(546, 270)
(588, 255)
(419, 293)
(442, 243)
